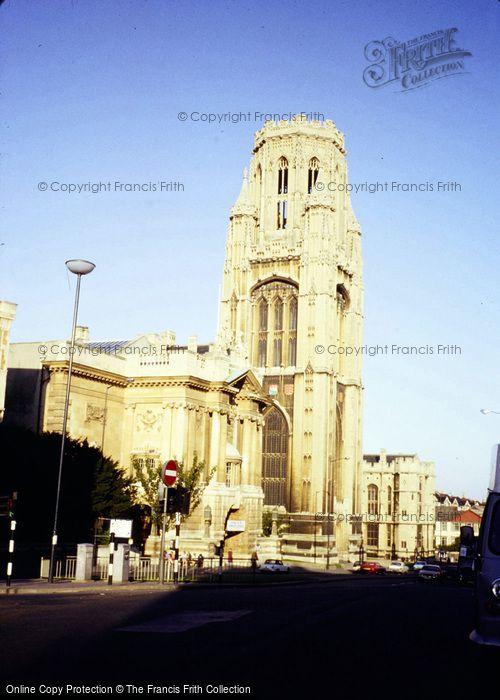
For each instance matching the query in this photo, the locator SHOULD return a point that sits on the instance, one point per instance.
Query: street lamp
(78, 268)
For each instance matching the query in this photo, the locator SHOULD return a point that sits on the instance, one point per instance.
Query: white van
(485, 551)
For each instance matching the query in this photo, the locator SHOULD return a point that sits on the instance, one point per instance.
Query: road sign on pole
(169, 475)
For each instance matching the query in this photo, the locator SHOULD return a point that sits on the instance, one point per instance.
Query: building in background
(7, 315)
(451, 513)
(398, 506)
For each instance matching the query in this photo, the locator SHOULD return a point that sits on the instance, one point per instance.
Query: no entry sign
(169, 472)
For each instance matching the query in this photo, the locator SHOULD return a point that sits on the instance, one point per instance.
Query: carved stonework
(95, 413)
(148, 421)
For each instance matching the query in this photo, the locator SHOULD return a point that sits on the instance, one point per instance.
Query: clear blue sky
(91, 91)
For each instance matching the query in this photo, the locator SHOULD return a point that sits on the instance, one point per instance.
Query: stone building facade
(398, 506)
(275, 405)
(151, 400)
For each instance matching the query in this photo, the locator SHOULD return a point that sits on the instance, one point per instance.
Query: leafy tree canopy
(91, 486)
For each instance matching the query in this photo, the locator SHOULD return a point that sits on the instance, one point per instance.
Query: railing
(64, 569)
(147, 569)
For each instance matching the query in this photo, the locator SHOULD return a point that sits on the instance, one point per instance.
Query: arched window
(312, 174)
(275, 324)
(292, 332)
(274, 458)
(278, 315)
(282, 204)
(263, 315)
(278, 333)
(262, 338)
(389, 500)
(372, 499)
(282, 176)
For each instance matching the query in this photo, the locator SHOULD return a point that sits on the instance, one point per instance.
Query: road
(364, 636)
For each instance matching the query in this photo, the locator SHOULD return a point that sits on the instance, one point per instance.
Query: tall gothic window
(275, 324)
(292, 332)
(372, 535)
(263, 319)
(372, 499)
(282, 176)
(274, 458)
(282, 204)
(278, 333)
(389, 500)
(312, 174)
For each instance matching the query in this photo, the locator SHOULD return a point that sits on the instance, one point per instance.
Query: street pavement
(362, 636)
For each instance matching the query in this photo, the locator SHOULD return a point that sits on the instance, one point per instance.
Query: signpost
(170, 472)
(122, 529)
(169, 477)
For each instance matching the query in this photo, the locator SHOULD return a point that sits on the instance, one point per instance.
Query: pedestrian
(199, 561)
(230, 557)
(254, 560)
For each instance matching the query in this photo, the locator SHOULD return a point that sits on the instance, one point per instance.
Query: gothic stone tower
(291, 303)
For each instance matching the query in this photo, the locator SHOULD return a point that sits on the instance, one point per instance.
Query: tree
(149, 479)
(192, 479)
(91, 486)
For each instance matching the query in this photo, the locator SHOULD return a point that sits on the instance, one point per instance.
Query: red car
(371, 567)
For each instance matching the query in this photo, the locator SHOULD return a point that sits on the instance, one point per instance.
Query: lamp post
(78, 268)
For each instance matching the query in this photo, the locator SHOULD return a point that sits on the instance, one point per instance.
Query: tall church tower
(292, 303)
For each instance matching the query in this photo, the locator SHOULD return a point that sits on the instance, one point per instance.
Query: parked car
(430, 572)
(398, 567)
(275, 565)
(419, 564)
(371, 567)
(356, 566)
(451, 572)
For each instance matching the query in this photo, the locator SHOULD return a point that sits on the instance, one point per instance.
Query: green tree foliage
(192, 479)
(267, 523)
(149, 474)
(148, 479)
(90, 486)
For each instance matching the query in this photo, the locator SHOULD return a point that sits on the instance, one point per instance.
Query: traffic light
(178, 500)
(184, 500)
(171, 500)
